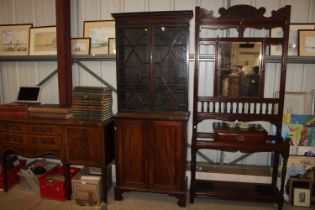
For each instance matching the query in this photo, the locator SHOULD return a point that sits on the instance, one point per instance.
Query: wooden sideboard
(72, 141)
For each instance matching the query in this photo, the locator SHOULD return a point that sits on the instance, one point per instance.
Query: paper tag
(16, 162)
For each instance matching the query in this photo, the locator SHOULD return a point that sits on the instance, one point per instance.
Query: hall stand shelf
(238, 94)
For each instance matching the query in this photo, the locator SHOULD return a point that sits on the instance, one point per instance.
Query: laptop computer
(28, 95)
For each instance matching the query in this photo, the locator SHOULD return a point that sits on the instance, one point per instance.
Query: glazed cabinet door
(169, 67)
(131, 159)
(168, 155)
(85, 145)
(133, 71)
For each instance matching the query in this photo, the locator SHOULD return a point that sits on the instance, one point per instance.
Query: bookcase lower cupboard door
(151, 156)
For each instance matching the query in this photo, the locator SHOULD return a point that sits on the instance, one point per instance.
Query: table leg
(66, 168)
(104, 183)
(4, 174)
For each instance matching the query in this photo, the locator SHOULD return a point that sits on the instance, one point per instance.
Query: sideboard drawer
(7, 138)
(11, 127)
(43, 141)
(43, 129)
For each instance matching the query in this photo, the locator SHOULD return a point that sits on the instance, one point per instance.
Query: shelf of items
(210, 57)
(35, 58)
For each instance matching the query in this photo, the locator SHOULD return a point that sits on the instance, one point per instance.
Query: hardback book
(14, 111)
(50, 115)
(50, 108)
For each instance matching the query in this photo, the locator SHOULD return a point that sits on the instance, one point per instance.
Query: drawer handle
(42, 129)
(240, 138)
(84, 143)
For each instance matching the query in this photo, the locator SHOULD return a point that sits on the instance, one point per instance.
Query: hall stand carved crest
(238, 97)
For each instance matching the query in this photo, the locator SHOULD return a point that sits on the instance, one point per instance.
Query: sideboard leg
(66, 168)
(4, 174)
(104, 183)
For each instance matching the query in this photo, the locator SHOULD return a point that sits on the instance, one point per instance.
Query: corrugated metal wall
(42, 13)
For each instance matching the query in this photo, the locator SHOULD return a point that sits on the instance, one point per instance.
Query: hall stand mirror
(237, 106)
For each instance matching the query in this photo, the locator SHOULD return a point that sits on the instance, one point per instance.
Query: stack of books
(13, 111)
(92, 103)
(54, 111)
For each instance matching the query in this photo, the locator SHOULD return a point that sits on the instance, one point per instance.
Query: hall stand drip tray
(236, 190)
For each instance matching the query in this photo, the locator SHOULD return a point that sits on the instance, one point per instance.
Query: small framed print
(293, 38)
(302, 197)
(14, 39)
(99, 32)
(306, 42)
(43, 41)
(294, 102)
(112, 46)
(80, 46)
(313, 102)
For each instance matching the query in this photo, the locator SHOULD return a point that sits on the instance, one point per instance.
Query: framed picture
(306, 42)
(43, 41)
(293, 38)
(302, 197)
(300, 191)
(112, 46)
(313, 101)
(80, 46)
(99, 32)
(14, 39)
(294, 102)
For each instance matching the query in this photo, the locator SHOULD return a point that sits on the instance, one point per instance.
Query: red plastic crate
(51, 187)
(13, 177)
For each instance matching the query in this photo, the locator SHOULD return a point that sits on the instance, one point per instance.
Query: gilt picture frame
(293, 38)
(43, 40)
(80, 46)
(99, 32)
(306, 42)
(14, 39)
(112, 46)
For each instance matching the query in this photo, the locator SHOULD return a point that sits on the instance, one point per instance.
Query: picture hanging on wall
(293, 38)
(111, 46)
(14, 39)
(306, 42)
(99, 32)
(80, 46)
(43, 41)
(294, 102)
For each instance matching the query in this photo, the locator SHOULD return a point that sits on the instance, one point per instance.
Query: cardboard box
(12, 172)
(87, 188)
(52, 183)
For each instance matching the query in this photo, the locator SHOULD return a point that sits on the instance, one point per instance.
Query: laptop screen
(29, 94)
